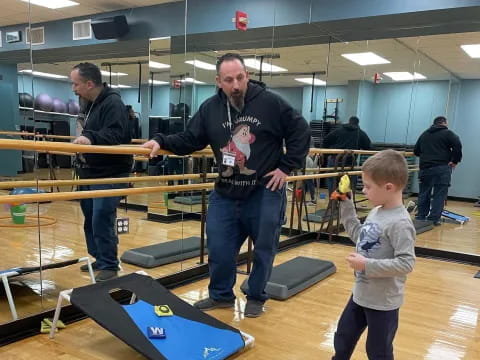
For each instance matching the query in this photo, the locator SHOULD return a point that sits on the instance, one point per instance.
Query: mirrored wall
(19, 235)
(395, 87)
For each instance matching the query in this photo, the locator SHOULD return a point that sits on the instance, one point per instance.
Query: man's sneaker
(104, 275)
(254, 308)
(84, 268)
(210, 304)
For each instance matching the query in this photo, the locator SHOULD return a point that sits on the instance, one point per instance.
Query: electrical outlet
(123, 226)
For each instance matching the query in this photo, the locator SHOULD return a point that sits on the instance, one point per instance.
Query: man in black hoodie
(246, 126)
(440, 150)
(105, 123)
(348, 136)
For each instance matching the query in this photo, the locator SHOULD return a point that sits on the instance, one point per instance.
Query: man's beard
(244, 148)
(238, 101)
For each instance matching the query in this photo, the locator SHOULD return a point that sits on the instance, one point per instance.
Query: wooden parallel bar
(355, 168)
(359, 152)
(29, 145)
(41, 136)
(135, 157)
(58, 153)
(47, 146)
(50, 136)
(75, 195)
(49, 183)
(10, 199)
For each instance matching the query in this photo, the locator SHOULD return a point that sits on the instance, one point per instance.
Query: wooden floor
(65, 240)
(439, 320)
(442, 295)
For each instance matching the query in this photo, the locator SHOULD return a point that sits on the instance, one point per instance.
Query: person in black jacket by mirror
(348, 136)
(105, 123)
(133, 123)
(440, 150)
(246, 126)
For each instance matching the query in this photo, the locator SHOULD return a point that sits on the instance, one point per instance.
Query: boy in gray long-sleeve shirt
(383, 258)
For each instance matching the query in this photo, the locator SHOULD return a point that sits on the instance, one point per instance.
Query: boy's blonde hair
(387, 166)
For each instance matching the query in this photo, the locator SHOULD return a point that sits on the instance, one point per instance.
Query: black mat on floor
(422, 226)
(163, 253)
(188, 200)
(295, 275)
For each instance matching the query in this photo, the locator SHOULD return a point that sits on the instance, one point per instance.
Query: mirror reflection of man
(440, 150)
(246, 126)
(348, 136)
(105, 123)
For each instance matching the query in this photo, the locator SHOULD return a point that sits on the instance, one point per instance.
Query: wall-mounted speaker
(110, 28)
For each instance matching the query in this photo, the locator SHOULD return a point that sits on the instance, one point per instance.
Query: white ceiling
(17, 12)
(445, 49)
(437, 57)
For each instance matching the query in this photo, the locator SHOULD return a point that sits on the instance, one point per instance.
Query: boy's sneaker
(210, 304)
(253, 308)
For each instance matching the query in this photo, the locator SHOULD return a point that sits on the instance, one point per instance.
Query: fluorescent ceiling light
(52, 4)
(366, 58)
(191, 80)
(266, 67)
(157, 65)
(404, 76)
(201, 64)
(107, 73)
(120, 86)
(472, 50)
(308, 81)
(158, 82)
(43, 74)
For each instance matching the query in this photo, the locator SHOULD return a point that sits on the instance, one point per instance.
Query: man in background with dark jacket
(348, 136)
(440, 150)
(105, 123)
(246, 126)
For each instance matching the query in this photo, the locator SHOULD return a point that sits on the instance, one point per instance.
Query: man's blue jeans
(229, 222)
(309, 185)
(99, 226)
(434, 183)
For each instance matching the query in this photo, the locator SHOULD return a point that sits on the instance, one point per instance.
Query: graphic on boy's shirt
(369, 239)
(240, 146)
